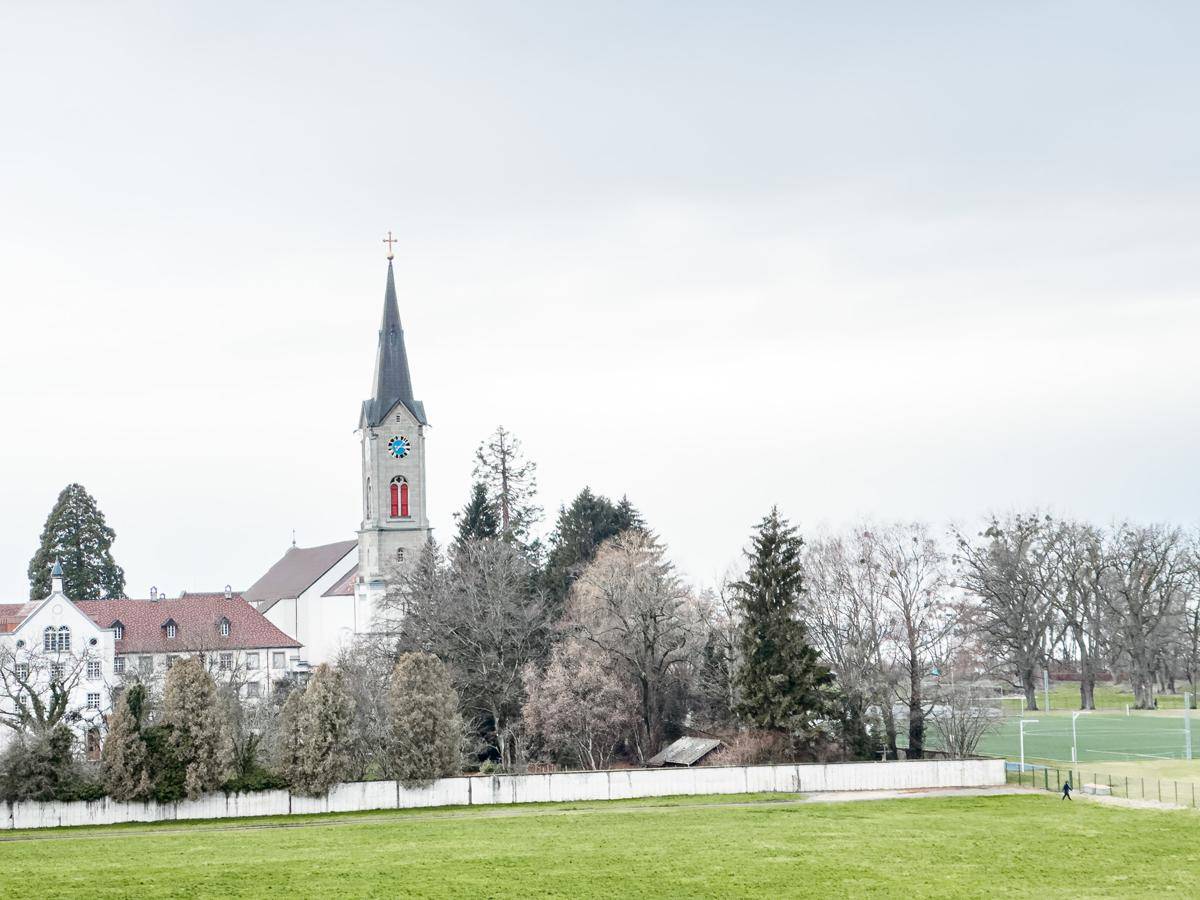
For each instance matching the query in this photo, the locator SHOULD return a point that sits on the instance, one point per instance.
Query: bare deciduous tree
(630, 605)
(483, 615)
(579, 707)
(1146, 583)
(1005, 569)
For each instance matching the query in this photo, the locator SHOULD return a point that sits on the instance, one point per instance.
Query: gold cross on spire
(389, 240)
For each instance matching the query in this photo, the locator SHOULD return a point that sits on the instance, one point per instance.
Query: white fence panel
(559, 786)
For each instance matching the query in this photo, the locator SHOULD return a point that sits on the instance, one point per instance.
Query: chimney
(153, 594)
(228, 592)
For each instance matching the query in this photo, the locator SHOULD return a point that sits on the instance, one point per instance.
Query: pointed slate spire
(393, 383)
(56, 577)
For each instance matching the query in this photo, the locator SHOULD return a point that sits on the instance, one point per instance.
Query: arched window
(368, 497)
(49, 641)
(399, 488)
(64, 638)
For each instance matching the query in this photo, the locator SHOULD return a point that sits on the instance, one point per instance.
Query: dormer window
(171, 630)
(224, 627)
(118, 631)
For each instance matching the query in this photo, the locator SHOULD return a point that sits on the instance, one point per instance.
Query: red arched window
(399, 497)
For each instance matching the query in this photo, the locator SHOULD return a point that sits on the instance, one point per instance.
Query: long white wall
(616, 784)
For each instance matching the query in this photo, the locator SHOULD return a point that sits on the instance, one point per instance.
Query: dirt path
(566, 809)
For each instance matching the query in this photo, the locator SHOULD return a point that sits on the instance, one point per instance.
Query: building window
(251, 661)
(93, 743)
(171, 660)
(22, 671)
(56, 672)
(368, 497)
(226, 662)
(93, 701)
(224, 628)
(399, 488)
(93, 669)
(253, 689)
(56, 640)
(118, 631)
(171, 631)
(146, 665)
(119, 665)
(278, 660)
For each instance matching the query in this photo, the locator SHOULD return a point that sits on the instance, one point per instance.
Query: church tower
(392, 428)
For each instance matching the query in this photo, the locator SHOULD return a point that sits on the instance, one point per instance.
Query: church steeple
(393, 383)
(392, 430)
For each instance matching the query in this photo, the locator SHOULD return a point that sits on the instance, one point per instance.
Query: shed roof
(687, 751)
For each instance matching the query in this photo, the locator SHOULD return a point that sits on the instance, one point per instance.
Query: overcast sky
(917, 260)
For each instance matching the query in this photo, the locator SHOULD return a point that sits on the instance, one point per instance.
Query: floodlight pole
(1187, 725)
(1074, 742)
(1024, 722)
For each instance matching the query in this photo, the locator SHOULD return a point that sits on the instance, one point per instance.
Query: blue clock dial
(398, 446)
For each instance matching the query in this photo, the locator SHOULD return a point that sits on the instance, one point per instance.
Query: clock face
(398, 447)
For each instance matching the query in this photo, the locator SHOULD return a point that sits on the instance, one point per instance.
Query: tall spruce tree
(478, 518)
(76, 534)
(582, 527)
(781, 684)
(511, 482)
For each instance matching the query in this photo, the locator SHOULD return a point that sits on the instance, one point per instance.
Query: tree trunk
(1087, 681)
(1142, 676)
(916, 715)
(889, 728)
(1029, 686)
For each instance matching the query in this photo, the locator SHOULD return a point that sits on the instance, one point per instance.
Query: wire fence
(1050, 778)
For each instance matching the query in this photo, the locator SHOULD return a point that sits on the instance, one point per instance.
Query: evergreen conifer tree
(75, 534)
(288, 739)
(478, 518)
(125, 760)
(425, 722)
(326, 733)
(582, 527)
(201, 739)
(781, 685)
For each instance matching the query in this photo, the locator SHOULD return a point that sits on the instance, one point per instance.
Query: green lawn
(1014, 846)
(1064, 695)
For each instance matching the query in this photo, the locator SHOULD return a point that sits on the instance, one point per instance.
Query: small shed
(687, 751)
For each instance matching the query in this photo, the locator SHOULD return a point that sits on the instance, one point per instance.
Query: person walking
(1067, 790)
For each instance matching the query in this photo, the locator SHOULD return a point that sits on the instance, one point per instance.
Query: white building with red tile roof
(90, 648)
(52, 646)
(235, 639)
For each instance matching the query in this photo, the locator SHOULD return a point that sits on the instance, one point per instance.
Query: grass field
(1000, 846)
(1064, 695)
(1101, 737)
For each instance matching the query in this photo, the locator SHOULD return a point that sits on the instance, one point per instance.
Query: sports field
(1100, 737)
(1030, 845)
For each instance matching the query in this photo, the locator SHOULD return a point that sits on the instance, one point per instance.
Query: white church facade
(327, 595)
